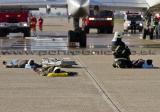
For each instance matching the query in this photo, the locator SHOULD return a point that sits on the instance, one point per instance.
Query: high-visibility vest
(156, 21)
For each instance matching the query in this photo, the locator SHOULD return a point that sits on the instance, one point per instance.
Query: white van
(127, 21)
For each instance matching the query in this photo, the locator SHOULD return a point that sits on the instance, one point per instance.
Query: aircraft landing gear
(148, 31)
(77, 35)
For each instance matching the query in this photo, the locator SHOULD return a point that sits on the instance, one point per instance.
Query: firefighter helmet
(117, 34)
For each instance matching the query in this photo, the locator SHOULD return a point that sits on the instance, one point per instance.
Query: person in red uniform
(33, 23)
(40, 20)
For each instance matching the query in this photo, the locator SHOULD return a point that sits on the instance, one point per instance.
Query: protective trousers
(122, 64)
(33, 26)
(40, 26)
(133, 27)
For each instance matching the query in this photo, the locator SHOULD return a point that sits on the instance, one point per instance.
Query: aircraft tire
(156, 29)
(83, 39)
(71, 36)
(87, 30)
(151, 34)
(2, 33)
(27, 33)
(144, 33)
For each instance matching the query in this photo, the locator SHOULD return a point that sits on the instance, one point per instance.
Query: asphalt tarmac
(97, 88)
(54, 42)
(54, 37)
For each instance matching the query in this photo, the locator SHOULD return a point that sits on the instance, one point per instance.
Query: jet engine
(78, 8)
(48, 9)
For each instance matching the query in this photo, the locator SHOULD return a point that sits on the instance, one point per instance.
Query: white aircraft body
(81, 8)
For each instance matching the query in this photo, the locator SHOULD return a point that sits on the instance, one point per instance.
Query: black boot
(4, 62)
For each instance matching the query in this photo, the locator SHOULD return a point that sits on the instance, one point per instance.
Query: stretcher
(65, 62)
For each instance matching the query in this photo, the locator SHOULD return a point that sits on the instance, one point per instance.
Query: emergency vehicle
(103, 21)
(127, 21)
(14, 22)
(158, 16)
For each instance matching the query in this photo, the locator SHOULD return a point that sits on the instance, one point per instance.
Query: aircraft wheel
(151, 34)
(87, 30)
(156, 30)
(71, 36)
(83, 39)
(2, 33)
(144, 33)
(27, 32)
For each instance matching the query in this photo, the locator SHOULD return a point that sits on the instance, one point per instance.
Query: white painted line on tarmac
(98, 86)
(29, 37)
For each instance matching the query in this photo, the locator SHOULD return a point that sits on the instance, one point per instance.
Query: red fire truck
(14, 22)
(103, 21)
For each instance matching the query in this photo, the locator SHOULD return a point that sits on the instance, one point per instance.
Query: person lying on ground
(140, 63)
(21, 64)
(52, 69)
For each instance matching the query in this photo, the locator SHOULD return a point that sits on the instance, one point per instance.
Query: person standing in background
(40, 20)
(33, 23)
(133, 24)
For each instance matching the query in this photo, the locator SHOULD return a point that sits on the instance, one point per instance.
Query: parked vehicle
(103, 22)
(127, 21)
(14, 22)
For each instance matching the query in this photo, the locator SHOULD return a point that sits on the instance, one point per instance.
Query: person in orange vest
(33, 23)
(40, 20)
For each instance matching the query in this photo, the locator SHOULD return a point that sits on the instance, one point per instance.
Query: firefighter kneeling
(121, 52)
